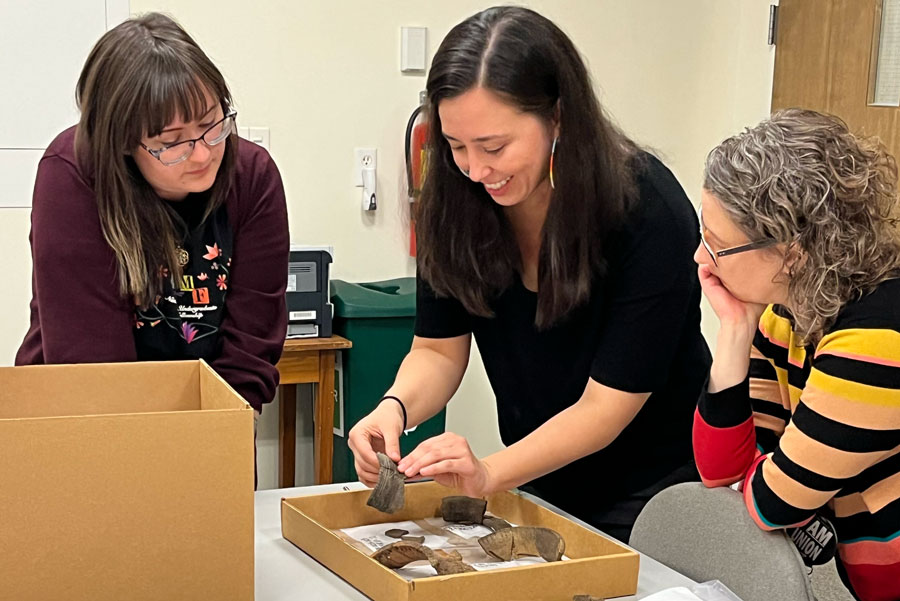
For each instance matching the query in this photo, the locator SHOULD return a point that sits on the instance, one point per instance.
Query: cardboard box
(124, 481)
(597, 565)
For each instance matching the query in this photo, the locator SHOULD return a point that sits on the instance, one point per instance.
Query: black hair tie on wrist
(402, 408)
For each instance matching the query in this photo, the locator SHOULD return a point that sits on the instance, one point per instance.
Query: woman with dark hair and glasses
(801, 262)
(156, 233)
(566, 251)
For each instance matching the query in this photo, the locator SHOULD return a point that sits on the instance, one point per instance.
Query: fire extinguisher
(416, 143)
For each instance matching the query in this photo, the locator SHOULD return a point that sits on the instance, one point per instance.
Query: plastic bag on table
(705, 591)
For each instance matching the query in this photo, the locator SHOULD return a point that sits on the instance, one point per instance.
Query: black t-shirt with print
(184, 322)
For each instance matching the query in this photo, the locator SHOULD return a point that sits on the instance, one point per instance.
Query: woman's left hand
(449, 460)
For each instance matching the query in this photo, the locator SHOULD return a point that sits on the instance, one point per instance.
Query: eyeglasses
(172, 154)
(714, 254)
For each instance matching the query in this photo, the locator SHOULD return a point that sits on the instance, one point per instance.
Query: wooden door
(825, 56)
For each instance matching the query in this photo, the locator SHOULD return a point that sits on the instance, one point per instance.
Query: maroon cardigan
(77, 312)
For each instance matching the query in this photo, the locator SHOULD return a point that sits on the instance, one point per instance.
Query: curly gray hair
(800, 178)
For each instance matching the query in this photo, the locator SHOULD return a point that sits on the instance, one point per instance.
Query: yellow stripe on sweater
(877, 346)
(858, 393)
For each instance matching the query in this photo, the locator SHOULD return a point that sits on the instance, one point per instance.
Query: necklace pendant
(182, 256)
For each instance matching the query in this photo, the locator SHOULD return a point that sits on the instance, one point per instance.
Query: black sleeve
(439, 317)
(653, 292)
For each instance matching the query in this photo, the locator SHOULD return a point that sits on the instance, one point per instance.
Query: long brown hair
(466, 246)
(138, 78)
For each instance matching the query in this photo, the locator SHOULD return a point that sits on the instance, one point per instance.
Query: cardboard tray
(597, 566)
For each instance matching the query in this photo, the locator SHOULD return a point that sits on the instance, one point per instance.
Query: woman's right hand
(732, 312)
(377, 432)
(738, 324)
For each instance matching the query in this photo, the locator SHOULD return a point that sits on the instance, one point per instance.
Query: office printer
(307, 295)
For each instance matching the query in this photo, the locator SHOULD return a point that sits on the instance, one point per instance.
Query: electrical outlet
(363, 158)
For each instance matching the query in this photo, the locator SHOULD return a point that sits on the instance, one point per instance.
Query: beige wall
(15, 275)
(678, 76)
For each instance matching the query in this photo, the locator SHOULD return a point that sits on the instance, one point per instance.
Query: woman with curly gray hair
(800, 260)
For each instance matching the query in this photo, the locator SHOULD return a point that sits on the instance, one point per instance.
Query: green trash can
(378, 318)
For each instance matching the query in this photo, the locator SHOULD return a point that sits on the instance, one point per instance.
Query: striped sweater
(818, 430)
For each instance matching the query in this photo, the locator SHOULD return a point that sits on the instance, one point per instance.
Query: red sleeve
(724, 435)
(255, 321)
(77, 312)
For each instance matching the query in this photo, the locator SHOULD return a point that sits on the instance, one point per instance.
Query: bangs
(176, 87)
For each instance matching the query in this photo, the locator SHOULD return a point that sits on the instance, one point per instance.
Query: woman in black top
(566, 251)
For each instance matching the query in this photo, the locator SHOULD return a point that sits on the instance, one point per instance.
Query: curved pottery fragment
(463, 510)
(387, 496)
(397, 555)
(450, 563)
(495, 523)
(512, 543)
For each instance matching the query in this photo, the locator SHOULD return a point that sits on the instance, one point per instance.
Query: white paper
(678, 593)
(475, 531)
(373, 536)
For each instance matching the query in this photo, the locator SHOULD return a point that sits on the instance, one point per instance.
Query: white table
(285, 572)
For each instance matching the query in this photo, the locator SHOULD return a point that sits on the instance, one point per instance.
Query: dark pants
(617, 519)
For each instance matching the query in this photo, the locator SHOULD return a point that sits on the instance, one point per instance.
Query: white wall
(324, 77)
(37, 100)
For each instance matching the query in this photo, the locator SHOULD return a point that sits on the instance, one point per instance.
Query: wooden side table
(307, 361)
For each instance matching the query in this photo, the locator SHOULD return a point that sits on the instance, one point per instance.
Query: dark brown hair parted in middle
(466, 247)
